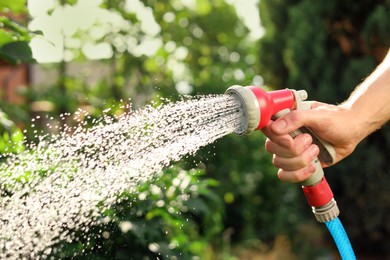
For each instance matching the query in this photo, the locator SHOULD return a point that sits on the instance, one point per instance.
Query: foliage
(327, 48)
(14, 37)
(175, 215)
(11, 137)
(16, 6)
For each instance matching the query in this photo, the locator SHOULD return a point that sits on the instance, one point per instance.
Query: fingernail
(279, 125)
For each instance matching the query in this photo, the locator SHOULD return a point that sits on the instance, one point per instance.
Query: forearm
(370, 102)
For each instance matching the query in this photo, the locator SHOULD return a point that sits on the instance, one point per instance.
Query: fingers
(295, 148)
(298, 162)
(294, 157)
(295, 160)
(284, 140)
(294, 120)
(298, 175)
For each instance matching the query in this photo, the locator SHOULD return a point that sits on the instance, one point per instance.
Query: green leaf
(19, 31)
(5, 37)
(13, 6)
(16, 52)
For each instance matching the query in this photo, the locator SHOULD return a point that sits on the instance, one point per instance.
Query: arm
(370, 102)
(344, 126)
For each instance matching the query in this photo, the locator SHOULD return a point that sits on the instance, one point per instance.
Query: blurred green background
(57, 56)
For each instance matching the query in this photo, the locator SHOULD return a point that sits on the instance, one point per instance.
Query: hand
(337, 125)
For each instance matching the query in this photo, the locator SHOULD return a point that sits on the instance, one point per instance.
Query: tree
(327, 48)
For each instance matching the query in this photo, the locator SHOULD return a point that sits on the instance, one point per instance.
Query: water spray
(258, 108)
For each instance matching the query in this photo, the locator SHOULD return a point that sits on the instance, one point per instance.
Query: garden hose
(340, 238)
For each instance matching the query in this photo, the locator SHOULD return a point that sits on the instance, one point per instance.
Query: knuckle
(301, 175)
(307, 156)
(300, 144)
(294, 117)
(296, 151)
(316, 104)
(303, 161)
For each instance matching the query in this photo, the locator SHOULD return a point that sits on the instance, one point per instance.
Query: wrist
(360, 123)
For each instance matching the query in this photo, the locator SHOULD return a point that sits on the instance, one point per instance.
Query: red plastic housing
(319, 194)
(271, 103)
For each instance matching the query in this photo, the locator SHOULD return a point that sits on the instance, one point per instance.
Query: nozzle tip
(248, 108)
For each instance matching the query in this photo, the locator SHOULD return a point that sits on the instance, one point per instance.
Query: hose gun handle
(316, 188)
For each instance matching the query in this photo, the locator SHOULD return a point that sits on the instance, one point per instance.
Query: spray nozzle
(259, 106)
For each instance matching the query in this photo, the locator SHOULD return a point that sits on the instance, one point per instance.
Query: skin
(344, 126)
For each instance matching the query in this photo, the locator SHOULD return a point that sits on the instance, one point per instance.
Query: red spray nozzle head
(259, 106)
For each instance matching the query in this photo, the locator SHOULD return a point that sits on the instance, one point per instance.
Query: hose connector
(320, 198)
(327, 212)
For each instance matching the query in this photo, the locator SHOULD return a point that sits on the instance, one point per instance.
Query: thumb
(294, 120)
